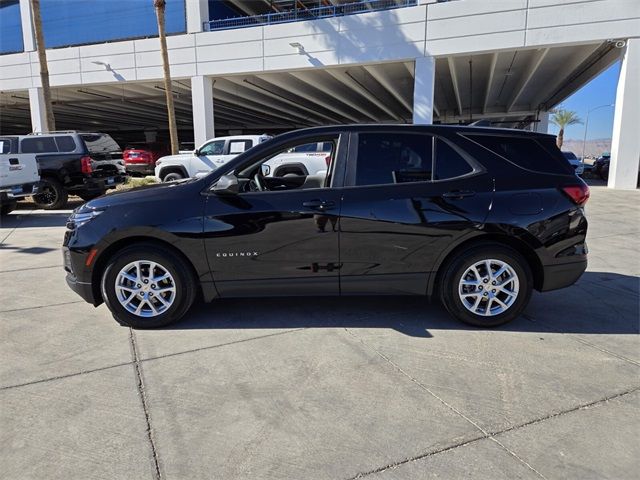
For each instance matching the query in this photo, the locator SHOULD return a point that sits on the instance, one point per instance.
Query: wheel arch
(103, 258)
(164, 171)
(490, 238)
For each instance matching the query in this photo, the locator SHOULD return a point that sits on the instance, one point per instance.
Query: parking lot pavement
(380, 388)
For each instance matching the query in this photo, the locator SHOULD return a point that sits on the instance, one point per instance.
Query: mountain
(593, 148)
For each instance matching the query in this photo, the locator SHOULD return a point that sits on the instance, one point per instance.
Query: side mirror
(265, 170)
(226, 185)
(196, 152)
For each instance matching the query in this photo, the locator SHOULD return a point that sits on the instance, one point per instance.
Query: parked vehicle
(310, 159)
(83, 164)
(140, 158)
(19, 175)
(601, 166)
(211, 155)
(475, 217)
(575, 162)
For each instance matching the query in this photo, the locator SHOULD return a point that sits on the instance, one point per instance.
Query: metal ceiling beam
(530, 71)
(492, 71)
(382, 77)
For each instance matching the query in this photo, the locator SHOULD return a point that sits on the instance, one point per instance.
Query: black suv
(84, 164)
(476, 217)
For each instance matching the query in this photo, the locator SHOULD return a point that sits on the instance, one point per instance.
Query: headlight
(80, 218)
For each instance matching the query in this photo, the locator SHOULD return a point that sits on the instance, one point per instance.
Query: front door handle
(319, 205)
(458, 194)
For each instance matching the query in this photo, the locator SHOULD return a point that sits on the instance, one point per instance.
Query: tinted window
(449, 163)
(65, 144)
(385, 158)
(527, 153)
(239, 146)
(327, 146)
(5, 145)
(569, 155)
(100, 143)
(213, 148)
(38, 145)
(308, 147)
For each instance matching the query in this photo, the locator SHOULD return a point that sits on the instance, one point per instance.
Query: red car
(140, 158)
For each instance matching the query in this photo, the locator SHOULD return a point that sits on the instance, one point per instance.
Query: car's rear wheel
(52, 196)
(148, 286)
(487, 286)
(173, 176)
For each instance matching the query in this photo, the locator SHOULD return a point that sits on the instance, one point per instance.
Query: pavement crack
(143, 399)
(41, 306)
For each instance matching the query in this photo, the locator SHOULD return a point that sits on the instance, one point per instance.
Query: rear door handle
(459, 194)
(319, 205)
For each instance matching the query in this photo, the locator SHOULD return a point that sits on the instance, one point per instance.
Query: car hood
(143, 194)
(178, 157)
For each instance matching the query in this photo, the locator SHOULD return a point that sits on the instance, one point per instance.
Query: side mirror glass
(226, 185)
(265, 170)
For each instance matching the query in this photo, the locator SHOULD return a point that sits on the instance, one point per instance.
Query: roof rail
(53, 131)
(481, 123)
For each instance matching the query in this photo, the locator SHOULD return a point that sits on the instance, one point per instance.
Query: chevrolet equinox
(475, 217)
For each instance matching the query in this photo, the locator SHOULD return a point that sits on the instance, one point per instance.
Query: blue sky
(600, 91)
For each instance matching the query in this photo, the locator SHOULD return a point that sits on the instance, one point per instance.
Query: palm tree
(159, 6)
(50, 123)
(563, 118)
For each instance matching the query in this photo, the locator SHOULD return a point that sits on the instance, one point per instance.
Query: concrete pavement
(380, 388)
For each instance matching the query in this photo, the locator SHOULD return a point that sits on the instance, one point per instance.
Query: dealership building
(274, 65)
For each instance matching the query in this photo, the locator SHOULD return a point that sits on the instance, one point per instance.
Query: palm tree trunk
(173, 129)
(50, 123)
(560, 138)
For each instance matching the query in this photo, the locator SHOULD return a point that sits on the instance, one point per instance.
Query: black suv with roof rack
(475, 217)
(78, 163)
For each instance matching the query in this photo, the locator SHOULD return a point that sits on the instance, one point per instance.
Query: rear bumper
(97, 184)
(563, 275)
(19, 191)
(142, 168)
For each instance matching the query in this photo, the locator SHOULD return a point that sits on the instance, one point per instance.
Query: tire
(7, 208)
(458, 269)
(181, 277)
(86, 196)
(52, 196)
(173, 176)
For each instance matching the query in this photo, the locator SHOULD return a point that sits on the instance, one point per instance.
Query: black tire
(170, 261)
(454, 270)
(173, 176)
(52, 196)
(86, 196)
(7, 208)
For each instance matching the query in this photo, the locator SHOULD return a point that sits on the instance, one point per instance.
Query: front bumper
(85, 290)
(562, 275)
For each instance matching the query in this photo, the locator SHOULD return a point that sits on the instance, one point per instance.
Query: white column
(38, 115)
(425, 78)
(197, 13)
(625, 144)
(543, 123)
(28, 38)
(202, 103)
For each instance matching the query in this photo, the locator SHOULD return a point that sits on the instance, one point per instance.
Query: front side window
(213, 148)
(38, 145)
(391, 158)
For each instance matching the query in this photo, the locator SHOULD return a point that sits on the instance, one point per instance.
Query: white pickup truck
(19, 175)
(308, 159)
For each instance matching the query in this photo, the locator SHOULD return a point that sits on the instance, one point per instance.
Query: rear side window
(38, 145)
(538, 155)
(100, 143)
(65, 144)
(5, 145)
(239, 146)
(388, 158)
(449, 163)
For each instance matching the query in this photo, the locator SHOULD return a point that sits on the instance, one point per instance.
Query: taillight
(86, 165)
(328, 160)
(578, 193)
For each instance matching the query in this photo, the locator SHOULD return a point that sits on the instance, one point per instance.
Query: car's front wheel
(148, 286)
(172, 177)
(487, 286)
